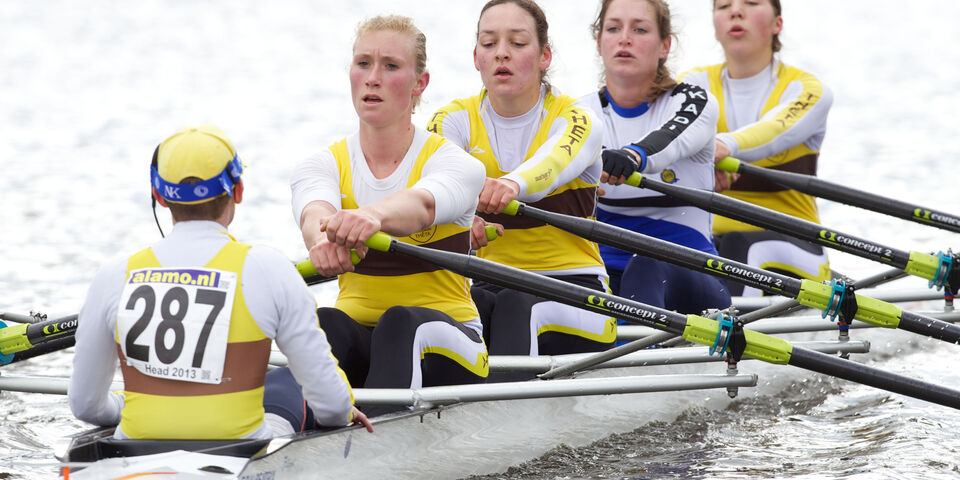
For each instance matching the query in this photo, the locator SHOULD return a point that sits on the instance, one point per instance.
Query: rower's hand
(618, 165)
(478, 232)
(360, 419)
(351, 228)
(331, 259)
(496, 194)
(722, 180)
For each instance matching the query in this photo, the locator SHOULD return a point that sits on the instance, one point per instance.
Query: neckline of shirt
(626, 112)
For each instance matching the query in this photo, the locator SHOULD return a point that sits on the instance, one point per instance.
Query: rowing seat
(108, 447)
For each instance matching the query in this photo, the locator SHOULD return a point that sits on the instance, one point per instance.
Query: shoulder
(699, 75)
(592, 101)
(807, 83)
(113, 272)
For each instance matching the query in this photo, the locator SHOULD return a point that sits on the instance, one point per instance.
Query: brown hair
(663, 81)
(778, 11)
(539, 22)
(402, 25)
(209, 210)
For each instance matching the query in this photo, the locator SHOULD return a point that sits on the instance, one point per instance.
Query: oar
(692, 328)
(806, 292)
(23, 341)
(841, 193)
(939, 270)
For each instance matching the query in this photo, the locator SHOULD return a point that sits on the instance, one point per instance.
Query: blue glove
(619, 163)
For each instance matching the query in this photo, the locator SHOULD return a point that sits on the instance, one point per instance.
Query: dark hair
(778, 11)
(209, 210)
(539, 22)
(664, 80)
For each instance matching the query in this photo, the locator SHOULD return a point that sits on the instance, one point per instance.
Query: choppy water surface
(88, 89)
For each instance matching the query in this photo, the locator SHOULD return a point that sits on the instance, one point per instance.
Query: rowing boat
(482, 436)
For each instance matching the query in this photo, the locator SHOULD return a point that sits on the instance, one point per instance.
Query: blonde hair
(402, 25)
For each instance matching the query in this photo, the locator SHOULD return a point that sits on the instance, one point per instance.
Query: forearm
(403, 213)
(312, 221)
(801, 116)
(572, 148)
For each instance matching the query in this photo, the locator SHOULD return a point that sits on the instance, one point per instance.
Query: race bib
(174, 322)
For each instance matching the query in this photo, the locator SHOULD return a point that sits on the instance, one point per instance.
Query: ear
(545, 58)
(160, 200)
(665, 48)
(476, 63)
(422, 83)
(778, 25)
(238, 191)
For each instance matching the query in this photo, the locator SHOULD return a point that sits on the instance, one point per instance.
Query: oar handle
(313, 277)
(491, 232)
(728, 164)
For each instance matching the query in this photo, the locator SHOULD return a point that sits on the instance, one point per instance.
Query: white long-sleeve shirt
(280, 303)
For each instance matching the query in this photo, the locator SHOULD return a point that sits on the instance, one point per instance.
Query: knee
(395, 321)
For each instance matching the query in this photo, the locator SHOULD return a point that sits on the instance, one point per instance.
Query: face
(745, 27)
(629, 42)
(383, 78)
(508, 55)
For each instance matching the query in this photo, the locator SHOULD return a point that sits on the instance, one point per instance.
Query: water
(87, 90)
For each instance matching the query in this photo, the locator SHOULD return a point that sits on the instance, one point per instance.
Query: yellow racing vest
(383, 280)
(799, 158)
(530, 244)
(160, 408)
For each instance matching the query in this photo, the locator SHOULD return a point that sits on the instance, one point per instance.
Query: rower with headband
(192, 317)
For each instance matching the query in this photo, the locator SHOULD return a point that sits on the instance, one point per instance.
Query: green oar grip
(491, 231)
(704, 331)
(922, 265)
(869, 310)
(13, 339)
(728, 164)
(634, 179)
(307, 269)
(512, 208)
(379, 241)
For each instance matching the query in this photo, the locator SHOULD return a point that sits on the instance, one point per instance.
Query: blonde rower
(397, 322)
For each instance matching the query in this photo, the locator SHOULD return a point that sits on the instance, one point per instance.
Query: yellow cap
(203, 152)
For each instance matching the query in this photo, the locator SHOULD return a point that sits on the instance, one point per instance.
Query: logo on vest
(424, 236)
(668, 176)
(476, 149)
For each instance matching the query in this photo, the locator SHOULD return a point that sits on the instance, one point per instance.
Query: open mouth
(502, 73)
(737, 30)
(623, 54)
(371, 99)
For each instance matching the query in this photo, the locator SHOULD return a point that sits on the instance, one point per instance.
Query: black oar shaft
(843, 194)
(808, 293)
(782, 223)
(546, 287)
(667, 252)
(698, 329)
(891, 382)
(930, 327)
